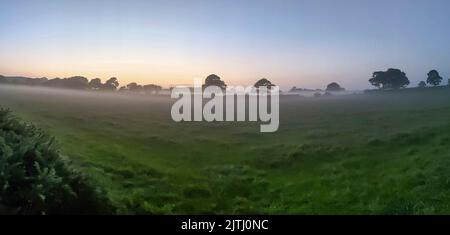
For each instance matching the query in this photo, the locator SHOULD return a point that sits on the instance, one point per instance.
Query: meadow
(376, 153)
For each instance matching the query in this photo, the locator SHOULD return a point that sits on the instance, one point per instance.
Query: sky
(292, 43)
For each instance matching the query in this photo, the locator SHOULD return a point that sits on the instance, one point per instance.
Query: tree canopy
(214, 80)
(95, 84)
(82, 83)
(422, 84)
(434, 78)
(134, 87)
(264, 83)
(152, 89)
(111, 84)
(390, 79)
(334, 87)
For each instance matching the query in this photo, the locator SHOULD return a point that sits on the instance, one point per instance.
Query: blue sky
(293, 43)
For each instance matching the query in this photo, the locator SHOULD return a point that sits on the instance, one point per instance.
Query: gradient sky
(293, 43)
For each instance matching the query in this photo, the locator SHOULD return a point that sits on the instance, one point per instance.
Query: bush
(34, 179)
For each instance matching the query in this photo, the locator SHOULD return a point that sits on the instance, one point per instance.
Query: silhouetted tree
(122, 89)
(111, 84)
(334, 87)
(134, 87)
(95, 84)
(422, 84)
(55, 82)
(390, 79)
(19, 80)
(264, 83)
(38, 81)
(76, 82)
(152, 89)
(214, 80)
(79, 82)
(434, 78)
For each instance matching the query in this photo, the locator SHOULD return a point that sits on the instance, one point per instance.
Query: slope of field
(362, 154)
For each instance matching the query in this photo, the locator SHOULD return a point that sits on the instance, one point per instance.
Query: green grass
(364, 154)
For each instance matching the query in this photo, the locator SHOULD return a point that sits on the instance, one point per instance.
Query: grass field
(381, 153)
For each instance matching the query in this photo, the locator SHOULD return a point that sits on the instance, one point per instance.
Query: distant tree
(390, 79)
(422, 84)
(139, 88)
(264, 83)
(55, 82)
(434, 78)
(39, 81)
(131, 85)
(214, 80)
(111, 84)
(317, 94)
(122, 89)
(134, 87)
(448, 82)
(152, 89)
(76, 82)
(95, 84)
(334, 87)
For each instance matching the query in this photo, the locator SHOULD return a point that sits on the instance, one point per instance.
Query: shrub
(34, 179)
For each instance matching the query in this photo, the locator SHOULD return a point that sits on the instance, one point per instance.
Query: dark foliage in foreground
(34, 179)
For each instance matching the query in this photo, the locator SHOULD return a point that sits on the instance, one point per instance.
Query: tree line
(396, 79)
(389, 79)
(82, 83)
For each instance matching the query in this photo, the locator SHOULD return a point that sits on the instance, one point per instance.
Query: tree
(422, 84)
(334, 87)
(264, 83)
(434, 78)
(111, 84)
(76, 82)
(134, 87)
(122, 89)
(214, 80)
(55, 82)
(390, 79)
(39, 81)
(95, 84)
(152, 89)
